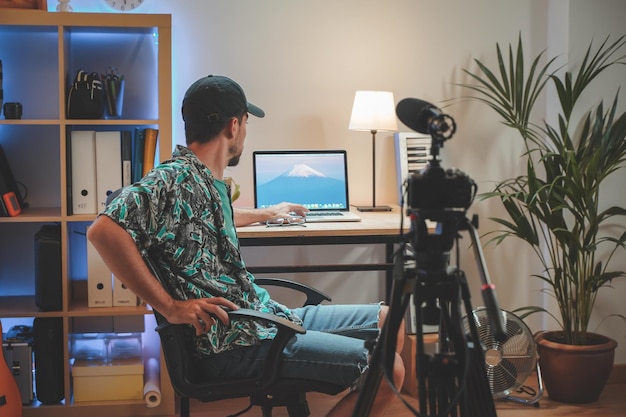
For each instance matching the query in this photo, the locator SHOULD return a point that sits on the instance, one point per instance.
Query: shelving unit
(41, 53)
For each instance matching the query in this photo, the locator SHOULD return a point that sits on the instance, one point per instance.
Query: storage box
(19, 359)
(124, 346)
(89, 347)
(408, 357)
(120, 379)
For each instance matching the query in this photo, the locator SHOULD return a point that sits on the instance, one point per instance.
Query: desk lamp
(373, 111)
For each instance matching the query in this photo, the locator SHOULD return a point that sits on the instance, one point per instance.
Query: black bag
(48, 274)
(48, 350)
(85, 99)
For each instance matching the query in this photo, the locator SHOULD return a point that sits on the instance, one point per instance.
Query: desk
(374, 228)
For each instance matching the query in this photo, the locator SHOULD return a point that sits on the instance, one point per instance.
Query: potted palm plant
(554, 205)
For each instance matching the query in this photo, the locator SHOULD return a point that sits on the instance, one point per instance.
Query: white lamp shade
(373, 110)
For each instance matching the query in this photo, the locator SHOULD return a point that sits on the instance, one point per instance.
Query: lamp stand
(373, 207)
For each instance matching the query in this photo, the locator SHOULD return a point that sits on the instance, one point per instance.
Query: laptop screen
(314, 179)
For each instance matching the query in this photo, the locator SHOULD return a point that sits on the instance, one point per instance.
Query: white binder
(83, 156)
(99, 280)
(108, 165)
(122, 296)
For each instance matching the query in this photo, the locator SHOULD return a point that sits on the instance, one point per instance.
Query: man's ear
(231, 128)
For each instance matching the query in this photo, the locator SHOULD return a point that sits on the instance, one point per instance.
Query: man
(181, 214)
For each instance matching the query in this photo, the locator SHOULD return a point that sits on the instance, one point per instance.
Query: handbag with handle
(85, 99)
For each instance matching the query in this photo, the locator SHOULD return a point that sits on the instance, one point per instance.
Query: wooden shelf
(43, 51)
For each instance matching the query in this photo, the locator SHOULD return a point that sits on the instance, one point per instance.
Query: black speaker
(48, 348)
(48, 286)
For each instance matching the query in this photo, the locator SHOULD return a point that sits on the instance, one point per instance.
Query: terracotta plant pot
(575, 374)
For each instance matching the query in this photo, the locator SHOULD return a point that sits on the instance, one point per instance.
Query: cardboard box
(408, 356)
(120, 379)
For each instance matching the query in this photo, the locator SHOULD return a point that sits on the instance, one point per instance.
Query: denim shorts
(332, 349)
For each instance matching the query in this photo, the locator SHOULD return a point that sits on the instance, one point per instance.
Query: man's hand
(246, 216)
(201, 313)
(284, 210)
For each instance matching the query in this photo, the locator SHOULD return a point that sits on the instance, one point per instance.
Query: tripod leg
(383, 354)
(454, 379)
(478, 397)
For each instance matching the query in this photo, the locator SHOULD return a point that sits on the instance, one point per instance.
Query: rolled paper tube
(152, 386)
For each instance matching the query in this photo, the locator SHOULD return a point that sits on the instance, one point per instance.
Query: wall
(302, 61)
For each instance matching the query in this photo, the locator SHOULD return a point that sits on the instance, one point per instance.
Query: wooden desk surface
(384, 223)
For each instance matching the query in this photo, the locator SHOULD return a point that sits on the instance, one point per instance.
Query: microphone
(423, 117)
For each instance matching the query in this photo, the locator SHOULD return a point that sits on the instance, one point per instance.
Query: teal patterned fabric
(176, 214)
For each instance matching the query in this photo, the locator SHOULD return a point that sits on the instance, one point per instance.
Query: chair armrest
(244, 313)
(280, 322)
(313, 296)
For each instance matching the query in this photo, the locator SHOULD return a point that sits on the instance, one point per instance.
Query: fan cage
(508, 363)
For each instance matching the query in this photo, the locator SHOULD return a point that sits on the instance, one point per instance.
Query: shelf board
(91, 21)
(110, 122)
(97, 409)
(35, 214)
(23, 306)
(79, 122)
(80, 309)
(47, 214)
(21, 122)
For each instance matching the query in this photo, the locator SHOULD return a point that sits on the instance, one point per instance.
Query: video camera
(434, 188)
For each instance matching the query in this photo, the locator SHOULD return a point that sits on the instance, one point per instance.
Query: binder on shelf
(99, 280)
(137, 158)
(149, 149)
(108, 165)
(122, 295)
(82, 151)
(127, 155)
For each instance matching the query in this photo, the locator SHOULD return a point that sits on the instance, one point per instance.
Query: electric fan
(508, 363)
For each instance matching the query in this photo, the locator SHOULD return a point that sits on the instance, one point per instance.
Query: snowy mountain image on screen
(305, 185)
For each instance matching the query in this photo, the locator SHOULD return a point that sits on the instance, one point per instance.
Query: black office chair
(266, 391)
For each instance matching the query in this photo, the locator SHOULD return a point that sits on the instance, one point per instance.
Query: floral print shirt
(176, 214)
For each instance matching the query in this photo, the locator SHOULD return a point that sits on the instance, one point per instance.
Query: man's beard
(237, 155)
(234, 161)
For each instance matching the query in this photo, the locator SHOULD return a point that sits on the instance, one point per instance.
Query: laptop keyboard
(323, 213)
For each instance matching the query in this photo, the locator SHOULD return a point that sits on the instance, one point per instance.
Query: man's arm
(246, 216)
(118, 251)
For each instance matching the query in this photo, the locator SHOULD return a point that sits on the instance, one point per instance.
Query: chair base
(297, 405)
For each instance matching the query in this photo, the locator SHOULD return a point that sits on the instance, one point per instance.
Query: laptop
(316, 179)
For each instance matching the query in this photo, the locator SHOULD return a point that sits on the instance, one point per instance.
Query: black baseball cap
(215, 98)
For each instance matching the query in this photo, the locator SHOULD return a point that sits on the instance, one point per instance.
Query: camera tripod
(453, 381)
